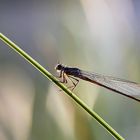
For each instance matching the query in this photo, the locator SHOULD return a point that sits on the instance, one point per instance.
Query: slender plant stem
(63, 87)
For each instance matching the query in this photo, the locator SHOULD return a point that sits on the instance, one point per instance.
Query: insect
(120, 86)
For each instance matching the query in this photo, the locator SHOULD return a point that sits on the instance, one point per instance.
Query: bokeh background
(102, 36)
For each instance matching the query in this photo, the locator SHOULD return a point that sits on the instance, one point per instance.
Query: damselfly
(121, 86)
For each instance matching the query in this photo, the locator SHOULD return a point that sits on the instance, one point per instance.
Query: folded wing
(124, 87)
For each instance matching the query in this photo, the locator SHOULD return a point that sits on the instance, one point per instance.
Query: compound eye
(58, 67)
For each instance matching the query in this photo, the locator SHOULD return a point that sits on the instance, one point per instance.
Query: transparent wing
(124, 87)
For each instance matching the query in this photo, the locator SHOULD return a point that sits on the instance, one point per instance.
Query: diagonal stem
(63, 87)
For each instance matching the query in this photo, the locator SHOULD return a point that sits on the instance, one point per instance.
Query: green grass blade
(63, 87)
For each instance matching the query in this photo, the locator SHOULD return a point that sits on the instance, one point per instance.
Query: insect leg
(74, 83)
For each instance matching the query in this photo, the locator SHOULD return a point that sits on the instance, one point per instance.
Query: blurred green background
(101, 36)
